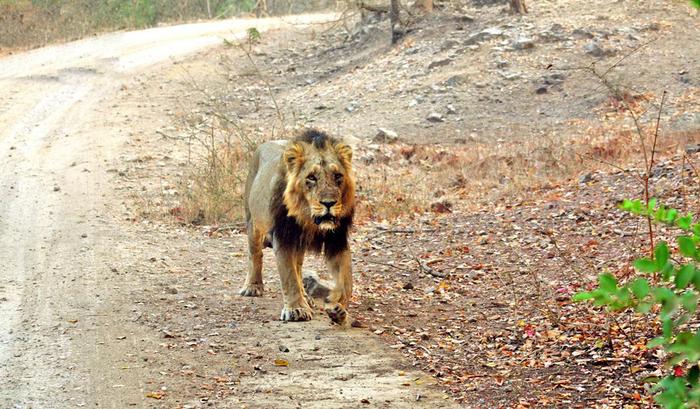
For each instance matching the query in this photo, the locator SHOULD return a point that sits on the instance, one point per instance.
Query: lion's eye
(338, 177)
(311, 178)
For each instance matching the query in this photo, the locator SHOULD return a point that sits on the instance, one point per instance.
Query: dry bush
(405, 180)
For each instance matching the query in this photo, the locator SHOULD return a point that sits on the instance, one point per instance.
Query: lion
(300, 197)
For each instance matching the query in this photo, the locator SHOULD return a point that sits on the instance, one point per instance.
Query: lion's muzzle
(325, 218)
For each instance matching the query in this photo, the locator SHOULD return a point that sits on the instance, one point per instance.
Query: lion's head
(320, 186)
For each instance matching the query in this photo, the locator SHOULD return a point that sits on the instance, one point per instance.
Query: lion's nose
(328, 203)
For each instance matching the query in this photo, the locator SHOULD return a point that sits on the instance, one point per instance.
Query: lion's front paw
(337, 313)
(252, 290)
(296, 314)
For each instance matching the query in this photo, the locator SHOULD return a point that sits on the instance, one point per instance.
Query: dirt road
(99, 311)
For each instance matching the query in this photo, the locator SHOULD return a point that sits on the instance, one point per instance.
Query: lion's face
(320, 186)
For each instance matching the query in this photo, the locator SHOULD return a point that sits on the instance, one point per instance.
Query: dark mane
(287, 233)
(315, 137)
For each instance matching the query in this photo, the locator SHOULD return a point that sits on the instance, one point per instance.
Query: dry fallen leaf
(281, 362)
(155, 395)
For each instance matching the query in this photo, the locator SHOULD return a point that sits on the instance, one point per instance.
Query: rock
(435, 117)
(451, 109)
(56, 188)
(283, 348)
(588, 177)
(692, 148)
(385, 136)
(481, 36)
(523, 43)
(352, 106)
(541, 90)
(510, 76)
(594, 49)
(455, 80)
(441, 206)
(408, 286)
(465, 18)
(493, 32)
(448, 44)
(579, 33)
(553, 79)
(553, 34)
(439, 63)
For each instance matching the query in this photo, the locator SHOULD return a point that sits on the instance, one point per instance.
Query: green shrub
(671, 289)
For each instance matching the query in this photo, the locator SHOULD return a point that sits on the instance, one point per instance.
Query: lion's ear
(344, 153)
(294, 157)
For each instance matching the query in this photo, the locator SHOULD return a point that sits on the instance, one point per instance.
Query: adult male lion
(300, 196)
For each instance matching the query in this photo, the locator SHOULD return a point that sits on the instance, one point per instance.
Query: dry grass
(404, 180)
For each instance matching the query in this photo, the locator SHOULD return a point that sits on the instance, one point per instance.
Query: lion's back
(262, 177)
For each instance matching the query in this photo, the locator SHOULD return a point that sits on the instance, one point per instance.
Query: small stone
(455, 80)
(435, 117)
(541, 90)
(692, 148)
(594, 49)
(83, 236)
(56, 188)
(441, 206)
(283, 348)
(385, 136)
(588, 177)
(465, 18)
(317, 337)
(579, 33)
(523, 43)
(439, 63)
(451, 109)
(408, 286)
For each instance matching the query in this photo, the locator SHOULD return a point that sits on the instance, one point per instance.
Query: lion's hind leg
(253, 286)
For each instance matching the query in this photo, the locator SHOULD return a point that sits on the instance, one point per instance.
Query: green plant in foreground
(676, 297)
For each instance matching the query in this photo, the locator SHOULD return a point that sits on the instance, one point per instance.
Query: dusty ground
(102, 310)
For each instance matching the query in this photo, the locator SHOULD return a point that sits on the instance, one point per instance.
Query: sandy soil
(101, 310)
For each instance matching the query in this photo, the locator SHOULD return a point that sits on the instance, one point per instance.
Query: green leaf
(656, 342)
(644, 307)
(607, 282)
(668, 328)
(689, 301)
(640, 288)
(687, 246)
(652, 204)
(684, 222)
(694, 372)
(661, 254)
(662, 294)
(645, 265)
(695, 3)
(684, 276)
(627, 205)
(582, 296)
